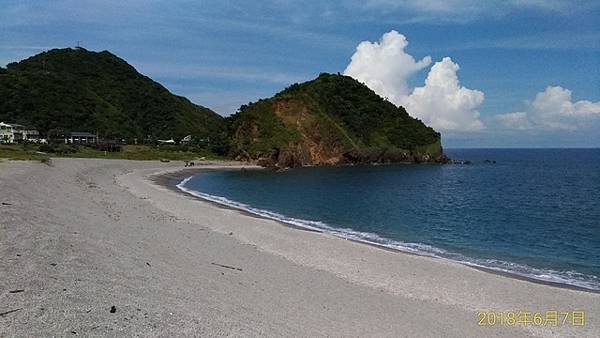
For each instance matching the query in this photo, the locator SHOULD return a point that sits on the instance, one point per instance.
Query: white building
(82, 137)
(6, 133)
(12, 132)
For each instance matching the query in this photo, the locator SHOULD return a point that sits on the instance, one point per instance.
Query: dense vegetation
(65, 90)
(372, 120)
(332, 119)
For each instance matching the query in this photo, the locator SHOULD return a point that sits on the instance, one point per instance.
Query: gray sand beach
(100, 248)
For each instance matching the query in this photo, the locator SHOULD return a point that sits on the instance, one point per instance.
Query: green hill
(333, 119)
(64, 90)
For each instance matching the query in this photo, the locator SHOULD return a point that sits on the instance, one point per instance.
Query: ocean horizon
(530, 212)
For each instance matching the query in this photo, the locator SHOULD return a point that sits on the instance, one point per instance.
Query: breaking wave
(546, 275)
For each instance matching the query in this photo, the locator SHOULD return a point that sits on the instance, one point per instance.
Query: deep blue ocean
(535, 212)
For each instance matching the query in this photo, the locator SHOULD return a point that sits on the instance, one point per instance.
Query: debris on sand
(2, 314)
(227, 266)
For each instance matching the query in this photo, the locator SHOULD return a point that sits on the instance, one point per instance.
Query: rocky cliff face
(332, 120)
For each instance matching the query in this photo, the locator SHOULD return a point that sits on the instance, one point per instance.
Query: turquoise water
(535, 212)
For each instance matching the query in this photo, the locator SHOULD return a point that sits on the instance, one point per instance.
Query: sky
(512, 73)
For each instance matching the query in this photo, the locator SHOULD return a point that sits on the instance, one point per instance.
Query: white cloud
(552, 109)
(384, 66)
(550, 5)
(554, 40)
(517, 120)
(442, 103)
(167, 70)
(461, 10)
(427, 6)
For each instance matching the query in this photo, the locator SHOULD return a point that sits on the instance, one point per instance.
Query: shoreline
(84, 236)
(172, 179)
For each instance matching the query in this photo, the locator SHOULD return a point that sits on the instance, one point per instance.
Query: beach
(110, 248)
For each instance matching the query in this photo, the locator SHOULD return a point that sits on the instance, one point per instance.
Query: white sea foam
(547, 275)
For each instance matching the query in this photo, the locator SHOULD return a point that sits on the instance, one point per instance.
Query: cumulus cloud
(552, 109)
(384, 66)
(442, 102)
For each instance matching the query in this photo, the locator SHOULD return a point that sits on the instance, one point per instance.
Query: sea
(529, 212)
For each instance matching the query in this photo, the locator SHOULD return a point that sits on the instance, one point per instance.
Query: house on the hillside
(81, 137)
(12, 132)
(186, 140)
(6, 133)
(31, 134)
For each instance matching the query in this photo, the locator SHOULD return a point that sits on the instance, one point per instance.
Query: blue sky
(524, 56)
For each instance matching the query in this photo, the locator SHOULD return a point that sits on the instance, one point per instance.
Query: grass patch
(21, 153)
(141, 152)
(129, 152)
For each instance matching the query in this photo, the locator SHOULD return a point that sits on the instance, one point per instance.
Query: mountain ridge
(330, 120)
(69, 89)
